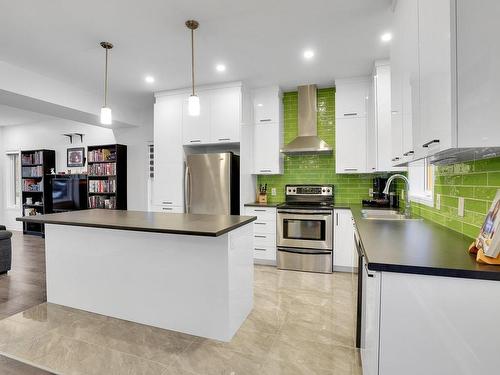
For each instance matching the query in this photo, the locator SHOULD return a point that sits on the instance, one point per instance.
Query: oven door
(305, 229)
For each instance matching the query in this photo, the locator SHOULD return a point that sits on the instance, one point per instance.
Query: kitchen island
(183, 272)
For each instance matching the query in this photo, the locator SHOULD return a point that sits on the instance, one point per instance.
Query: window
(421, 175)
(13, 180)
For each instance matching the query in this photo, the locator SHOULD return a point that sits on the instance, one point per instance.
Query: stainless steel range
(305, 229)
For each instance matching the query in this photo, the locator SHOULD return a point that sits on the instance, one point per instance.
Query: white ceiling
(260, 41)
(13, 116)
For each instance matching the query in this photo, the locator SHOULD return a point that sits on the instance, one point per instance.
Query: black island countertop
(142, 221)
(418, 247)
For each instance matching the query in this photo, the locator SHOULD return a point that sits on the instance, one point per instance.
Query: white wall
(48, 135)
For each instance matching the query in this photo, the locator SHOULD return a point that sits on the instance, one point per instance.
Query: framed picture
(489, 238)
(76, 157)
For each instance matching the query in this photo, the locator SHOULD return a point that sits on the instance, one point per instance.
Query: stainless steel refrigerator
(212, 184)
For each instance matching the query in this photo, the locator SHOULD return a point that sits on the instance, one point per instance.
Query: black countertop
(156, 222)
(418, 247)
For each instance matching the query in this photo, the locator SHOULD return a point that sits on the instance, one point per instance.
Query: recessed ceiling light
(308, 54)
(220, 67)
(260, 105)
(149, 79)
(386, 37)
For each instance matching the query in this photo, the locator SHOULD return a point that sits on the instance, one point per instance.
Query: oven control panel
(309, 190)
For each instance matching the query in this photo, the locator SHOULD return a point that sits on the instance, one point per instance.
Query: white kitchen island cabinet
(182, 272)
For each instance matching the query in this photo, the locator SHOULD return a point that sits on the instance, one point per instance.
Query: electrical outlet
(273, 192)
(438, 201)
(461, 206)
(370, 192)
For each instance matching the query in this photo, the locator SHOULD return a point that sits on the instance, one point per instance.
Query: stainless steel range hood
(307, 141)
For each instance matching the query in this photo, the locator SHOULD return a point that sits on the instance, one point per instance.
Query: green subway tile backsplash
(476, 181)
(315, 169)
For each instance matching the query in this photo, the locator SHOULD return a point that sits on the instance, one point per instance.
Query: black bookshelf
(35, 165)
(107, 176)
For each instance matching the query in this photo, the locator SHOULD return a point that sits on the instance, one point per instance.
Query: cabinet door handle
(257, 210)
(395, 159)
(195, 141)
(337, 218)
(166, 202)
(351, 114)
(258, 236)
(256, 223)
(224, 139)
(265, 170)
(265, 120)
(426, 145)
(167, 208)
(408, 153)
(350, 169)
(259, 249)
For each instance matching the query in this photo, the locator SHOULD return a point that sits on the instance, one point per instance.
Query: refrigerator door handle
(187, 190)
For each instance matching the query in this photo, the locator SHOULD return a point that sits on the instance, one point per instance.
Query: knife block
(481, 258)
(261, 198)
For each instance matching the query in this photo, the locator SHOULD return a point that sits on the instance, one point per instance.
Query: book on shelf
(489, 236)
(103, 154)
(32, 171)
(32, 185)
(103, 169)
(32, 158)
(98, 201)
(102, 186)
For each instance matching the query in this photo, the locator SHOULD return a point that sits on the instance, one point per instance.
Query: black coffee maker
(379, 199)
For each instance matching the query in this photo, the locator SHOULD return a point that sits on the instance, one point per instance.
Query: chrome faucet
(407, 193)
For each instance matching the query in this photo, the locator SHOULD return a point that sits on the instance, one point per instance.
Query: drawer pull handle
(195, 141)
(408, 153)
(259, 249)
(266, 120)
(395, 159)
(265, 170)
(426, 145)
(166, 202)
(256, 236)
(351, 114)
(259, 210)
(224, 139)
(350, 169)
(167, 209)
(260, 223)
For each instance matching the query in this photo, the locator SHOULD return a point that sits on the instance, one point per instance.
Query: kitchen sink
(386, 215)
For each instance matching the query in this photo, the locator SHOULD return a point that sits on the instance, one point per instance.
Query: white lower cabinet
(370, 321)
(264, 233)
(344, 250)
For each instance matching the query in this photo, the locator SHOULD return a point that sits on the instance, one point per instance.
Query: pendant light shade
(194, 105)
(106, 116)
(194, 100)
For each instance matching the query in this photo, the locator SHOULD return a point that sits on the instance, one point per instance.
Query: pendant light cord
(192, 58)
(106, 81)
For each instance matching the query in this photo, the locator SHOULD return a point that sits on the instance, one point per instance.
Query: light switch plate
(273, 191)
(438, 201)
(461, 206)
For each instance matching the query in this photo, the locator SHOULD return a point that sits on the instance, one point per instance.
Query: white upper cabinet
(268, 131)
(225, 115)
(435, 76)
(350, 145)
(448, 61)
(196, 129)
(169, 155)
(351, 97)
(267, 105)
(220, 117)
(478, 73)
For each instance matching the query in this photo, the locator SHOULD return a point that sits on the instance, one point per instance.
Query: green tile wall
(316, 169)
(476, 181)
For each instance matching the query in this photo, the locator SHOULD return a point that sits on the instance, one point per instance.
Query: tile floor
(302, 323)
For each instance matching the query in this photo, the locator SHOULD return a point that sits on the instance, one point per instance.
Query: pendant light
(106, 117)
(194, 100)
